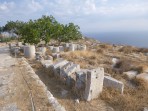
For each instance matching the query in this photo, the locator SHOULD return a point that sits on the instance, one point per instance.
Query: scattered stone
(61, 48)
(94, 83)
(145, 109)
(55, 55)
(115, 61)
(50, 48)
(19, 44)
(71, 47)
(143, 76)
(83, 47)
(56, 50)
(46, 63)
(130, 74)
(42, 50)
(38, 55)
(113, 83)
(56, 66)
(77, 101)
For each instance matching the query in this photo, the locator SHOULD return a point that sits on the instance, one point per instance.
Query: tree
(46, 26)
(66, 33)
(30, 33)
(1, 29)
(13, 27)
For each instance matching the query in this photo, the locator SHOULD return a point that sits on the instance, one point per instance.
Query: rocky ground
(15, 93)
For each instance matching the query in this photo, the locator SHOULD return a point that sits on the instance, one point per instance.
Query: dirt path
(14, 92)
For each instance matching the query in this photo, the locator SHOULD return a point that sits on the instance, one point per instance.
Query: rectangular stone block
(56, 66)
(72, 69)
(64, 68)
(113, 83)
(46, 63)
(80, 83)
(59, 63)
(94, 83)
(70, 73)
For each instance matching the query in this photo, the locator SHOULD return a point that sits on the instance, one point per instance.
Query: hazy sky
(90, 15)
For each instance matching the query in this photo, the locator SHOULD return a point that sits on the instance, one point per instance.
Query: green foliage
(44, 28)
(1, 29)
(5, 39)
(13, 27)
(29, 33)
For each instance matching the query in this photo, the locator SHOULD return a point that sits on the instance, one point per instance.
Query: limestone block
(29, 51)
(145, 109)
(66, 45)
(70, 73)
(115, 61)
(94, 83)
(42, 50)
(50, 48)
(56, 66)
(63, 74)
(80, 80)
(77, 46)
(56, 50)
(19, 44)
(143, 76)
(38, 55)
(72, 69)
(61, 48)
(130, 74)
(113, 83)
(55, 55)
(83, 47)
(46, 63)
(71, 47)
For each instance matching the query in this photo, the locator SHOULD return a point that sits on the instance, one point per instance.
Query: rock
(55, 55)
(50, 48)
(94, 83)
(113, 83)
(115, 61)
(77, 101)
(143, 76)
(42, 50)
(83, 47)
(56, 50)
(145, 109)
(61, 48)
(46, 63)
(71, 47)
(130, 74)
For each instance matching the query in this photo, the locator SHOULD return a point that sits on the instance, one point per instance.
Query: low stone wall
(53, 101)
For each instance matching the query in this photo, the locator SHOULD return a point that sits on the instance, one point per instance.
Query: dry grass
(132, 100)
(86, 58)
(128, 49)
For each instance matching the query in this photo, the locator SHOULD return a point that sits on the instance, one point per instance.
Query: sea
(138, 39)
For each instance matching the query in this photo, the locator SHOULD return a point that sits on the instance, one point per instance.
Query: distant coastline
(138, 39)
